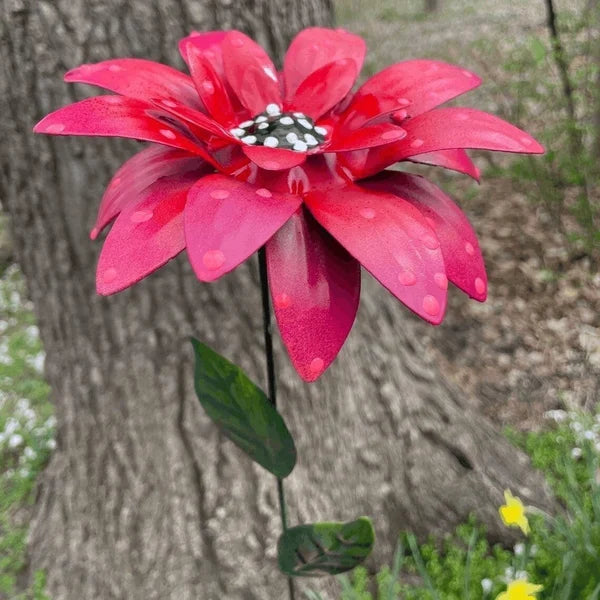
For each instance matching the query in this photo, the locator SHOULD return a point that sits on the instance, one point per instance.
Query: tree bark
(143, 498)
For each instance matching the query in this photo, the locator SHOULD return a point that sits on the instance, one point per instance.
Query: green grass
(565, 178)
(562, 553)
(26, 430)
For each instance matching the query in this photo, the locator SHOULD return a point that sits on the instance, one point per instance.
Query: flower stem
(272, 387)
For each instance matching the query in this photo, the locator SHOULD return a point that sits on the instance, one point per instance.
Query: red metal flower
(244, 156)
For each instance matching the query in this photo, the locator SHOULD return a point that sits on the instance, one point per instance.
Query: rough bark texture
(144, 499)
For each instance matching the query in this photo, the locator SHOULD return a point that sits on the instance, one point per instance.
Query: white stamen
(249, 139)
(260, 119)
(299, 115)
(273, 109)
(286, 121)
(321, 130)
(300, 146)
(263, 125)
(237, 132)
(291, 137)
(305, 124)
(271, 142)
(246, 124)
(311, 140)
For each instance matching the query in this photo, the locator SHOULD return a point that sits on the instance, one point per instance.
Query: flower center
(274, 129)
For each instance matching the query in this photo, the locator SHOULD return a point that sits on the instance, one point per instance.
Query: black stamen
(291, 131)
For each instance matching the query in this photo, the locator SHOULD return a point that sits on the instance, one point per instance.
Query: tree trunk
(143, 498)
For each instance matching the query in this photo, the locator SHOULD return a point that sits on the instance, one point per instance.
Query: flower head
(520, 589)
(242, 155)
(513, 512)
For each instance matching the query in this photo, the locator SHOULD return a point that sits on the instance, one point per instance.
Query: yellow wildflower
(513, 512)
(520, 589)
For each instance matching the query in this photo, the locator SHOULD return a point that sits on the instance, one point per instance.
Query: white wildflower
(487, 585)
(15, 440)
(556, 415)
(11, 426)
(519, 549)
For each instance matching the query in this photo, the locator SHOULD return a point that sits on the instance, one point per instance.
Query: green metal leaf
(325, 548)
(243, 411)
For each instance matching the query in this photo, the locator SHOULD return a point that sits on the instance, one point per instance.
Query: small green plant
(568, 558)
(561, 553)
(26, 430)
(566, 178)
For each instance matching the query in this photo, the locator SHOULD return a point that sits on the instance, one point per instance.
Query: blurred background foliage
(540, 64)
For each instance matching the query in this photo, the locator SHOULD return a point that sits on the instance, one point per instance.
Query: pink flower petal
(444, 129)
(316, 47)
(137, 78)
(455, 160)
(414, 85)
(448, 128)
(274, 159)
(143, 169)
(315, 286)
(115, 116)
(321, 172)
(209, 45)
(145, 235)
(226, 220)
(324, 88)
(391, 239)
(367, 137)
(460, 248)
(210, 87)
(208, 42)
(196, 118)
(250, 72)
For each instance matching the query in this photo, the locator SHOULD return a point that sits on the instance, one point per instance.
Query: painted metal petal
(316, 47)
(210, 86)
(137, 78)
(140, 171)
(460, 248)
(209, 43)
(145, 235)
(324, 88)
(391, 239)
(227, 220)
(367, 137)
(444, 129)
(250, 72)
(115, 116)
(315, 286)
(274, 159)
(414, 85)
(204, 123)
(448, 128)
(455, 160)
